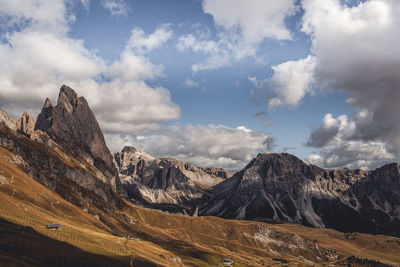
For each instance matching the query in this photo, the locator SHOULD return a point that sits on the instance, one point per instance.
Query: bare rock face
(72, 178)
(6, 119)
(71, 123)
(164, 180)
(278, 187)
(25, 125)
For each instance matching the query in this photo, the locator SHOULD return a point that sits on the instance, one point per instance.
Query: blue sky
(215, 82)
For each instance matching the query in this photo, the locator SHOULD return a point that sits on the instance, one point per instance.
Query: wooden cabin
(53, 226)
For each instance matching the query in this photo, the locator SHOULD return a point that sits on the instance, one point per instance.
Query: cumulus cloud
(329, 130)
(203, 145)
(38, 57)
(353, 154)
(291, 81)
(340, 145)
(355, 50)
(360, 56)
(144, 43)
(242, 25)
(41, 14)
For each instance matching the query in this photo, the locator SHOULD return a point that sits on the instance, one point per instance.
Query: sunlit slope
(27, 203)
(143, 237)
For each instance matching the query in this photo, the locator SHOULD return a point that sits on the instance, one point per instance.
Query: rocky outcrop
(278, 187)
(72, 124)
(164, 180)
(76, 181)
(25, 125)
(6, 119)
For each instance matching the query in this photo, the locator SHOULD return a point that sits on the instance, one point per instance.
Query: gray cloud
(353, 154)
(204, 145)
(262, 117)
(355, 50)
(340, 144)
(326, 132)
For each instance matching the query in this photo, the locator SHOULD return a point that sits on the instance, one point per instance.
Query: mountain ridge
(282, 188)
(43, 179)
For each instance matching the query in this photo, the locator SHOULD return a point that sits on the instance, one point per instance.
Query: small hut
(227, 262)
(53, 226)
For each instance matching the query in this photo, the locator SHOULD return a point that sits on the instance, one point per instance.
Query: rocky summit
(6, 119)
(278, 187)
(26, 124)
(72, 123)
(164, 180)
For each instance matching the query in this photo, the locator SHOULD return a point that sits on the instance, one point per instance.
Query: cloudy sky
(214, 82)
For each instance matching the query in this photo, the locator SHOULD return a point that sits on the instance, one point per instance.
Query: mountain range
(58, 167)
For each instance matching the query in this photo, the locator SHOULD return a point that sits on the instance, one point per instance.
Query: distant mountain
(278, 187)
(152, 180)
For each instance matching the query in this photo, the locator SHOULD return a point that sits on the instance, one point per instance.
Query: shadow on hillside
(23, 246)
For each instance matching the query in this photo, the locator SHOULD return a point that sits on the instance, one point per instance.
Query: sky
(214, 82)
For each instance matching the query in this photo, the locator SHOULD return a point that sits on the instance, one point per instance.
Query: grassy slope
(160, 237)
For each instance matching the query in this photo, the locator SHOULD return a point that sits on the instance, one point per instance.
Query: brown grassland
(137, 236)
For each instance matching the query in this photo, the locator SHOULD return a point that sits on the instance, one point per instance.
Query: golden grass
(162, 239)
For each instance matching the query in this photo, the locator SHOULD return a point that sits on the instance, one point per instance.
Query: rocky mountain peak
(68, 98)
(281, 187)
(26, 124)
(129, 149)
(269, 158)
(47, 103)
(72, 123)
(271, 165)
(6, 119)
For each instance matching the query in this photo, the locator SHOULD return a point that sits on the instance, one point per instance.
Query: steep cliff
(279, 187)
(164, 180)
(72, 124)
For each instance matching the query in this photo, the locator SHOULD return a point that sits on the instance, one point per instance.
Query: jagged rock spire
(26, 124)
(73, 124)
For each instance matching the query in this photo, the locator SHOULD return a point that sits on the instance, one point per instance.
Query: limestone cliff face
(280, 187)
(71, 123)
(164, 180)
(25, 125)
(6, 119)
(75, 180)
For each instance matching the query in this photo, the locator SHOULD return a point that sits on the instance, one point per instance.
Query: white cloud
(41, 14)
(242, 25)
(353, 154)
(37, 61)
(339, 146)
(203, 145)
(244, 129)
(117, 8)
(291, 81)
(355, 50)
(256, 19)
(142, 43)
